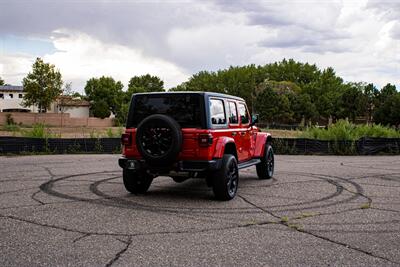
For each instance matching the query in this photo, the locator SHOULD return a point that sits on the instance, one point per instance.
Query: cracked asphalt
(316, 211)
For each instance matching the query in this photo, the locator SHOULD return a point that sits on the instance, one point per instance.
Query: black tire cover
(160, 121)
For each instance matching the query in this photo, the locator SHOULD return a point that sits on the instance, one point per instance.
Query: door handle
(234, 133)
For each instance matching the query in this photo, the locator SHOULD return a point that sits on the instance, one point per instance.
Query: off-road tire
(173, 145)
(226, 180)
(265, 169)
(136, 182)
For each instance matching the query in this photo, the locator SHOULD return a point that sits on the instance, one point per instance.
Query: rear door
(244, 132)
(234, 126)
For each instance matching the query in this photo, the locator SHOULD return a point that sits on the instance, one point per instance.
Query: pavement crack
(81, 237)
(52, 175)
(389, 210)
(286, 222)
(346, 245)
(120, 253)
(258, 207)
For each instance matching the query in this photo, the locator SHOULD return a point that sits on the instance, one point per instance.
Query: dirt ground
(71, 132)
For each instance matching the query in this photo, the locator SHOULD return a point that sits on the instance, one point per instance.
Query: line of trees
(281, 92)
(291, 92)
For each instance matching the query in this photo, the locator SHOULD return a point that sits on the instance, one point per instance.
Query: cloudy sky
(360, 39)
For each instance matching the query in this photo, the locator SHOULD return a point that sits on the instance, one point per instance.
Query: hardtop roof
(194, 92)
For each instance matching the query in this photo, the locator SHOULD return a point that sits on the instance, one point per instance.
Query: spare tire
(159, 139)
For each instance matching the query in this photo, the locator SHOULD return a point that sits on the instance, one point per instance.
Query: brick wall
(53, 119)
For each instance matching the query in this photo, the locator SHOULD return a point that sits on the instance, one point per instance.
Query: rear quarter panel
(261, 140)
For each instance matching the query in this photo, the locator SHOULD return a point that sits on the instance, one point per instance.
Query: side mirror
(254, 119)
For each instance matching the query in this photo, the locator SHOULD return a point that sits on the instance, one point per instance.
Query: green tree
(100, 109)
(302, 107)
(272, 106)
(1, 81)
(386, 92)
(104, 90)
(352, 103)
(389, 112)
(42, 85)
(290, 70)
(144, 83)
(371, 95)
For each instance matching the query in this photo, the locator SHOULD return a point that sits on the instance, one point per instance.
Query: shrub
(10, 120)
(38, 131)
(110, 133)
(344, 130)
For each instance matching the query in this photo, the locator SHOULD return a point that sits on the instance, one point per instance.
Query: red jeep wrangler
(192, 135)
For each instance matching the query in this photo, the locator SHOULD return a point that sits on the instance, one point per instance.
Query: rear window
(184, 108)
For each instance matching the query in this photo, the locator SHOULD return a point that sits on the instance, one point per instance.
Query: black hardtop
(210, 94)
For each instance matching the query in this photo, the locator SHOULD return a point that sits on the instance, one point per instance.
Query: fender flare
(261, 141)
(220, 146)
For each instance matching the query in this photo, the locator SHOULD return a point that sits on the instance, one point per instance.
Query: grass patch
(11, 128)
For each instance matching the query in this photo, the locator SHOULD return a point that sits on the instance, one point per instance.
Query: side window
(217, 111)
(233, 116)
(244, 115)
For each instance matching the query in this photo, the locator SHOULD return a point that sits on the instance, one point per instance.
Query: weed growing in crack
(366, 206)
(285, 219)
(295, 226)
(307, 215)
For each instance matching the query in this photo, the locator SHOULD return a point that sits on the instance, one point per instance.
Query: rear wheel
(265, 169)
(136, 182)
(226, 180)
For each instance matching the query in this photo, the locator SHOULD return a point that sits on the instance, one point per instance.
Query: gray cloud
(198, 35)
(388, 9)
(137, 24)
(395, 31)
(296, 24)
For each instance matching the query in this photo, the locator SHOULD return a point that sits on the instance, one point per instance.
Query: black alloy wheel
(136, 182)
(265, 169)
(226, 180)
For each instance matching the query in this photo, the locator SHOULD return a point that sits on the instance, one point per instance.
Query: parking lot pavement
(317, 210)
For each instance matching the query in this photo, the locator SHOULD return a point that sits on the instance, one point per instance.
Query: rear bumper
(184, 165)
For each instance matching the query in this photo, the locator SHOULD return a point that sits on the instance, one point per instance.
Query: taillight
(126, 139)
(205, 139)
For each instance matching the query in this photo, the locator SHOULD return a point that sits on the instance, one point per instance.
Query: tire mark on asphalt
(33, 196)
(18, 190)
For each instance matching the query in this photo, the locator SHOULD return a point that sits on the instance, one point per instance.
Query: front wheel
(136, 182)
(226, 180)
(265, 169)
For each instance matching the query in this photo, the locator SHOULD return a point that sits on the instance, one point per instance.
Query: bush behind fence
(294, 146)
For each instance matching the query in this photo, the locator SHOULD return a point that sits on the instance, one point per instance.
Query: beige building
(76, 107)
